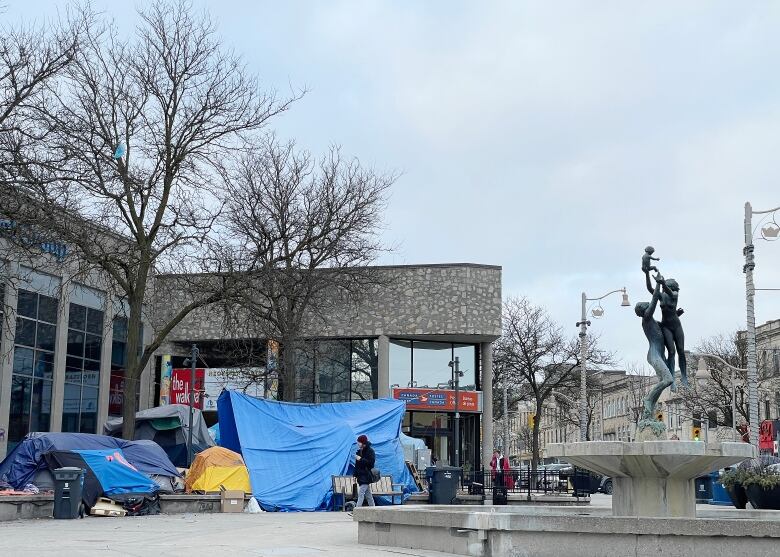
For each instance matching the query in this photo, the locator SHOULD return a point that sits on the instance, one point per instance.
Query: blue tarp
(115, 474)
(20, 466)
(292, 450)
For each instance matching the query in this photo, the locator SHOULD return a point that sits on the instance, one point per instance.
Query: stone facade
(447, 301)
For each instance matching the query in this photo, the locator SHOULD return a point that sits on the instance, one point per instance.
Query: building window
(400, 362)
(118, 364)
(333, 370)
(82, 369)
(365, 369)
(33, 365)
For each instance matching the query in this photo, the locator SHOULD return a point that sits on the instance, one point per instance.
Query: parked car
(606, 485)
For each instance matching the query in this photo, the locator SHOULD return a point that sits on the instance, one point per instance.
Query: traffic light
(531, 420)
(659, 416)
(696, 433)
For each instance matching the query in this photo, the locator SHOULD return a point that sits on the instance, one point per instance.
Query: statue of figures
(674, 337)
(655, 353)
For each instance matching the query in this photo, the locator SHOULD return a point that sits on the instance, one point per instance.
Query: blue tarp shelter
(292, 450)
(26, 461)
(108, 473)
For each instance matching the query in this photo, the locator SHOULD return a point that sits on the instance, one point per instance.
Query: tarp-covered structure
(217, 468)
(293, 450)
(168, 426)
(107, 473)
(410, 446)
(26, 463)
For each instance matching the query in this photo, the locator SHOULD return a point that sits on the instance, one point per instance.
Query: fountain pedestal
(652, 478)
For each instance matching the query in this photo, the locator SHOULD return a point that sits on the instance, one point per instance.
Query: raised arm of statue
(656, 295)
(648, 283)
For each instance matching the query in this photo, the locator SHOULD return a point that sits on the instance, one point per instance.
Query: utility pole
(455, 365)
(506, 421)
(750, 295)
(194, 364)
(583, 370)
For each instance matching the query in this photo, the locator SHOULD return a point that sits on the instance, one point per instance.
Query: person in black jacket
(365, 460)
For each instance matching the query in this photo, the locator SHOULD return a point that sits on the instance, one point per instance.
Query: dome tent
(217, 468)
(168, 426)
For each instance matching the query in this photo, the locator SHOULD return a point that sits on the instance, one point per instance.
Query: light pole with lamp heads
(583, 325)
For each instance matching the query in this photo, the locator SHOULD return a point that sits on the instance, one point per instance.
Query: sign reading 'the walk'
(442, 400)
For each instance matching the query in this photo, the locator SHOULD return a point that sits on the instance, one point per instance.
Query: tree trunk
(133, 368)
(535, 440)
(287, 379)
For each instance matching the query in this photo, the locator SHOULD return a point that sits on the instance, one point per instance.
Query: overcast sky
(554, 139)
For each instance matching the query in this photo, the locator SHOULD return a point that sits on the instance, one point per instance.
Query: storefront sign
(441, 400)
(246, 380)
(180, 386)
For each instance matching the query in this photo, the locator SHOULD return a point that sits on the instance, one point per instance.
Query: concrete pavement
(190, 535)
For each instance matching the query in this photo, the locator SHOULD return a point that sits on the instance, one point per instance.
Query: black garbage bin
(443, 489)
(68, 483)
(704, 489)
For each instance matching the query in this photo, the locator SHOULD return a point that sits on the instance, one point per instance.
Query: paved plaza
(260, 535)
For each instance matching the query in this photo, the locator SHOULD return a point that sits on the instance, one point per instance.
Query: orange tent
(218, 467)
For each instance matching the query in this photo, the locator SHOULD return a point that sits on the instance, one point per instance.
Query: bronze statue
(655, 354)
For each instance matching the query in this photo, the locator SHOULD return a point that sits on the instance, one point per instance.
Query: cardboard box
(232, 501)
(106, 507)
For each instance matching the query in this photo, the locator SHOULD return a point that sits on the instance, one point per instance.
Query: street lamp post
(583, 325)
(455, 365)
(193, 361)
(768, 233)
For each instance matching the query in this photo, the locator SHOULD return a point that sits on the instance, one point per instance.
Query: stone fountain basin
(653, 478)
(658, 459)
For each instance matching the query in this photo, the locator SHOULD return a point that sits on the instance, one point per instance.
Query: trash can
(704, 489)
(444, 485)
(583, 482)
(68, 483)
(719, 494)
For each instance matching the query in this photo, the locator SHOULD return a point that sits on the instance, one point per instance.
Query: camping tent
(292, 450)
(168, 426)
(216, 468)
(26, 464)
(108, 473)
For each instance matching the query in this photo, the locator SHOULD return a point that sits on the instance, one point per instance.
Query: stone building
(398, 341)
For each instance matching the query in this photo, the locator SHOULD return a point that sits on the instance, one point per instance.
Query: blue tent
(108, 472)
(23, 463)
(292, 450)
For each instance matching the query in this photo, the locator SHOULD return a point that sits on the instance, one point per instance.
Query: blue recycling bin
(704, 489)
(719, 494)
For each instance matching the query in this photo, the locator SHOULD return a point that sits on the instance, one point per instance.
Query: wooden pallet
(416, 475)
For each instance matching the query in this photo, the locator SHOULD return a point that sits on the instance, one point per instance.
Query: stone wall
(447, 300)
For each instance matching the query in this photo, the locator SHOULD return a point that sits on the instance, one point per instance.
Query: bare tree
(137, 137)
(535, 351)
(303, 232)
(568, 402)
(714, 397)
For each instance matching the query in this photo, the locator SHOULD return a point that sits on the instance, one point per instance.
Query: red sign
(442, 400)
(180, 386)
(766, 436)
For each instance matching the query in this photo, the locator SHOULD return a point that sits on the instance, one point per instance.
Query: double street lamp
(770, 232)
(597, 312)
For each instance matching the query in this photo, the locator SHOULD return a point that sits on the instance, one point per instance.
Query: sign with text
(439, 400)
(180, 386)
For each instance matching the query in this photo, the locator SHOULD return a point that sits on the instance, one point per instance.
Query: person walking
(365, 460)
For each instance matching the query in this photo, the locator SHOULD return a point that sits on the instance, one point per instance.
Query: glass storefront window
(467, 356)
(33, 365)
(400, 362)
(333, 365)
(82, 370)
(118, 363)
(430, 363)
(365, 369)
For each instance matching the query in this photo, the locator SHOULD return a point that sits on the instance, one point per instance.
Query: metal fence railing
(522, 481)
